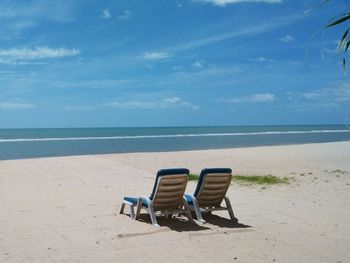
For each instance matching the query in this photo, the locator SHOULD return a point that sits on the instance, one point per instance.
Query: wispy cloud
(320, 100)
(249, 30)
(208, 76)
(255, 98)
(37, 53)
(18, 16)
(33, 10)
(106, 14)
(328, 96)
(173, 102)
(261, 59)
(10, 36)
(11, 61)
(156, 55)
(227, 2)
(125, 15)
(9, 105)
(287, 38)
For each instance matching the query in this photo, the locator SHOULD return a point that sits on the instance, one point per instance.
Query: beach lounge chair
(211, 190)
(166, 197)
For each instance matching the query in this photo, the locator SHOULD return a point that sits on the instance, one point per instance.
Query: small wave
(169, 136)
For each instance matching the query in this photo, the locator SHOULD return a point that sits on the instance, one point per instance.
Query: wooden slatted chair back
(213, 190)
(169, 192)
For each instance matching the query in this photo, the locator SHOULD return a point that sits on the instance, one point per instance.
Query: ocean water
(31, 143)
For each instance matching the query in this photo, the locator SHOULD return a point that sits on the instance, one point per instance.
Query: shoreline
(66, 208)
(167, 151)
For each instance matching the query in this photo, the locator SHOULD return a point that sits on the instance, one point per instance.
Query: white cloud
(198, 64)
(37, 53)
(125, 15)
(8, 105)
(287, 38)
(259, 97)
(227, 2)
(262, 59)
(173, 102)
(106, 14)
(156, 55)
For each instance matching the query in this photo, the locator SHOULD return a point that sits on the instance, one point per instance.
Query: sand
(65, 209)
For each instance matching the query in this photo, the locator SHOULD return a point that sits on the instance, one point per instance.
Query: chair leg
(132, 212)
(153, 216)
(188, 211)
(122, 209)
(197, 211)
(169, 216)
(230, 210)
(138, 209)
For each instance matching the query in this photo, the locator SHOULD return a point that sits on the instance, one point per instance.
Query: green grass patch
(260, 179)
(193, 177)
(251, 179)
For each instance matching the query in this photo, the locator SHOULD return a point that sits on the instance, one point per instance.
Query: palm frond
(344, 18)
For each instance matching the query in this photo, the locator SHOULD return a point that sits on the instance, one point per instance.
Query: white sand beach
(65, 209)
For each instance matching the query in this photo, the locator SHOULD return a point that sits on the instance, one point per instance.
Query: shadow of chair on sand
(223, 222)
(179, 224)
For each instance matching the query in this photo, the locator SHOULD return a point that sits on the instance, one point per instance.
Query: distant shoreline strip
(169, 136)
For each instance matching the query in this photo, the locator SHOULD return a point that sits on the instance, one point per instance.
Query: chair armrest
(189, 197)
(146, 199)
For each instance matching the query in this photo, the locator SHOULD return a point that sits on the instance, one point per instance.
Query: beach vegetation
(193, 177)
(260, 179)
(252, 179)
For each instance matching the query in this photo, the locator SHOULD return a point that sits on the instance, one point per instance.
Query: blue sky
(75, 63)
